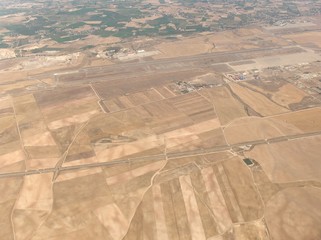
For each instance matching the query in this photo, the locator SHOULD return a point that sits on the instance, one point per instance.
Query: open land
(179, 134)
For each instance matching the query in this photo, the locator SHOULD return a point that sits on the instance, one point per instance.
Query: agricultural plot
(156, 163)
(300, 154)
(183, 122)
(130, 84)
(285, 95)
(304, 209)
(126, 193)
(165, 148)
(227, 107)
(261, 104)
(306, 38)
(132, 100)
(306, 120)
(254, 129)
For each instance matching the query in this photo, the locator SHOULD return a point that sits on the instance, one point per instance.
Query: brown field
(12, 156)
(115, 88)
(254, 128)
(155, 149)
(197, 197)
(180, 121)
(100, 62)
(68, 106)
(294, 214)
(306, 38)
(39, 198)
(132, 100)
(192, 196)
(195, 106)
(218, 42)
(186, 47)
(257, 101)
(256, 230)
(292, 155)
(305, 120)
(13, 159)
(285, 95)
(288, 94)
(243, 39)
(165, 92)
(9, 188)
(226, 106)
(200, 199)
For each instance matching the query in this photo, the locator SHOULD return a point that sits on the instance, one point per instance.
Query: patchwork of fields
(176, 150)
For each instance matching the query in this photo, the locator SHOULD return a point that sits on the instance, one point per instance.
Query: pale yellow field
(254, 128)
(39, 198)
(285, 95)
(294, 213)
(184, 47)
(257, 101)
(153, 152)
(306, 38)
(281, 161)
(306, 120)
(100, 62)
(226, 106)
(288, 94)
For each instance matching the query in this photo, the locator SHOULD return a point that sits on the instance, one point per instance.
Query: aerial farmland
(159, 121)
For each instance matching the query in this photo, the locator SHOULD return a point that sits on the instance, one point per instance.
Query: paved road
(160, 156)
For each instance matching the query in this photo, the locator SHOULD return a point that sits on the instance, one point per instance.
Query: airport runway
(121, 69)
